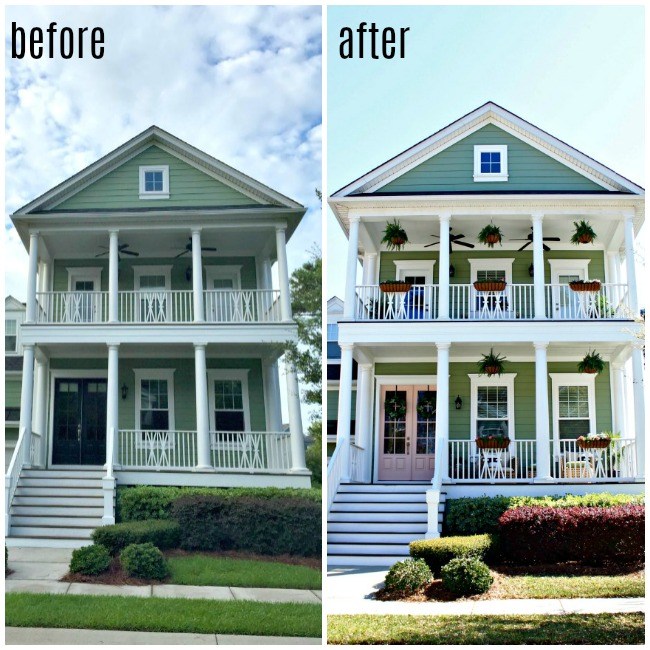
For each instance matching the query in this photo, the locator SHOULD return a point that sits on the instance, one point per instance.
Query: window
(154, 400)
(229, 407)
(10, 335)
(574, 399)
(494, 274)
(332, 331)
(490, 163)
(154, 182)
(492, 408)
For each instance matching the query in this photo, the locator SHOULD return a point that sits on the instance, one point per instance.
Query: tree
(314, 453)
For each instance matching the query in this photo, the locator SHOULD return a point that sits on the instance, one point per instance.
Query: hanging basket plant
(427, 408)
(395, 406)
(490, 235)
(490, 285)
(584, 233)
(493, 442)
(491, 364)
(585, 285)
(394, 236)
(592, 363)
(597, 441)
(395, 286)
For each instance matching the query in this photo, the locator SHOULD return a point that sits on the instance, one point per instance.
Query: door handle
(79, 432)
(408, 447)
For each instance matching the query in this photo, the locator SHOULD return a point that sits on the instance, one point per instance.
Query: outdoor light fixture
(531, 271)
(459, 403)
(125, 391)
(188, 273)
(452, 271)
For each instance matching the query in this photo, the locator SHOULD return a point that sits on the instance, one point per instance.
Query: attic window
(490, 163)
(154, 182)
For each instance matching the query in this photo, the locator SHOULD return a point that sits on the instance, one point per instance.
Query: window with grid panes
(492, 411)
(573, 415)
(154, 405)
(10, 335)
(491, 275)
(229, 405)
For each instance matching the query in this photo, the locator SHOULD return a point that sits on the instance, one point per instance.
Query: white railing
(517, 463)
(251, 451)
(515, 302)
(76, 307)
(571, 463)
(356, 463)
(156, 449)
(419, 303)
(151, 306)
(245, 306)
(35, 449)
(334, 473)
(12, 475)
(611, 301)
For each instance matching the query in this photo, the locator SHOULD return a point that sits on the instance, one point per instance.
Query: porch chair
(576, 465)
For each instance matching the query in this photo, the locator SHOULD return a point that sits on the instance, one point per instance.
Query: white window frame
(481, 177)
(491, 264)
(139, 271)
(579, 266)
(238, 374)
(223, 272)
(85, 274)
(164, 194)
(415, 267)
(478, 381)
(572, 379)
(154, 373)
(15, 322)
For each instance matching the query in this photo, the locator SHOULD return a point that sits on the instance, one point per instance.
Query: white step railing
(245, 306)
(76, 307)
(36, 449)
(251, 451)
(334, 474)
(356, 463)
(515, 302)
(155, 306)
(12, 475)
(611, 301)
(156, 449)
(419, 303)
(572, 463)
(517, 463)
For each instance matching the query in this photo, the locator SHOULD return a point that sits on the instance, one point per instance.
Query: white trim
(557, 265)
(491, 264)
(83, 274)
(239, 374)
(572, 379)
(140, 270)
(155, 373)
(160, 194)
(415, 267)
(482, 177)
(506, 379)
(223, 272)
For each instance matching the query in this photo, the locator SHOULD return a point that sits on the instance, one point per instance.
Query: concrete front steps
(56, 508)
(372, 525)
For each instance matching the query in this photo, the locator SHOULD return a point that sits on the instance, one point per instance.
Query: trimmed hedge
(440, 551)
(90, 560)
(144, 502)
(163, 534)
(260, 525)
(408, 576)
(542, 535)
(474, 516)
(144, 561)
(466, 576)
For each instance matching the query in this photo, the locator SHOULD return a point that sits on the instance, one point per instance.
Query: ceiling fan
(453, 239)
(529, 241)
(121, 250)
(188, 249)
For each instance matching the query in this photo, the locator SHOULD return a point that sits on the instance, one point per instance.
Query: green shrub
(155, 502)
(260, 525)
(465, 576)
(144, 561)
(164, 534)
(408, 576)
(90, 560)
(474, 516)
(438, 552)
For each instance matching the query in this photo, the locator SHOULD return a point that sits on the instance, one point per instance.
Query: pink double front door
(407, 433)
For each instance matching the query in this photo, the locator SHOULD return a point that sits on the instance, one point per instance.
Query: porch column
(40, 402)
(612, 267)
(349, 308)
(30, 315)
(295, 420)
(639, 409)
(442, 413)
(26, 402)
(363, 422)
(197, 277)
(538, 266)
(629, 263)
(271, 395)
(443, 270)
(113, 262)
(542, 433)
(369, 268)
(345, 410)
(202, 418)
(618, 397)
(112, 405)
(283, 273)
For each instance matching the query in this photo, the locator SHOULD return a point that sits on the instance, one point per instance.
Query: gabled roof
(334, 305)
(489, 113)
(154, 135)
(14, 304)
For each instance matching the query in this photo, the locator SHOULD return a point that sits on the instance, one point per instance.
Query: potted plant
(395, 406)
(395, 286)
(491, 364)
(394, 236)
(584, 233)
(490, 235)
(596, 441)
(490, 285)
(493, 441)
(592, 363)
(585, 285)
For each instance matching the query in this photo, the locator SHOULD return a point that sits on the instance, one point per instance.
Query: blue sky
(576, 72)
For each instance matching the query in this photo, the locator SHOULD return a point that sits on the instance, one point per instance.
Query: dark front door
(79, 422)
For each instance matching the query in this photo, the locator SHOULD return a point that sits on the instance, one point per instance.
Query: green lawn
(162, 615)
(232, 572)
(603, 629)
(629, 586)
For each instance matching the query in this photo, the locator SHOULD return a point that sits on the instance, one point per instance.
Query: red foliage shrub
(541, 535)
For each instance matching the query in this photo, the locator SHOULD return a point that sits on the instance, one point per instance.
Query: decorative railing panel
(74, 307)
(246, 306)
(334, 474)
(156, 449)
(356, 463)
(611, 301)
(155, 307)
(572, 463)
(517, 463)
(419, 303)
(251, 451)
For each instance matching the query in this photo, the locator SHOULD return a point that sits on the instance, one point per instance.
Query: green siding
(452, 170)
(333, 405)
(188, 187)
(12, 392)
(11, 435)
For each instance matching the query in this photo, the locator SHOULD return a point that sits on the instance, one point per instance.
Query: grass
(569, 629)
(162, 615)
(231, 572)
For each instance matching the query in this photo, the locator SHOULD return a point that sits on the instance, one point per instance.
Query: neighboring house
(334, 313)
(14, 317)
(422, 402)
(151, 337)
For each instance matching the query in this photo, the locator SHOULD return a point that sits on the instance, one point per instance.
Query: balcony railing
(610, 302)
(75, 307)
(156, 449)
(420, 303)
(570, 462)
(468, 463)
(248, 306)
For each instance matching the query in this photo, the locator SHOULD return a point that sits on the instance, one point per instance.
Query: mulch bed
(114, 576)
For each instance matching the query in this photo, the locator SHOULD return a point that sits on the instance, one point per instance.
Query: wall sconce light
(188, 273)
(125, 391)
(459, 403)
(452, 271)
(531, 271)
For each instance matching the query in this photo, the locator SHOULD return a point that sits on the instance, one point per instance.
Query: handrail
(12, 475)
(356, 462)
(334, 470)
(110, 447)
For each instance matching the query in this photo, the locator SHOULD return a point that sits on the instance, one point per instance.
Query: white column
(47, 276)
(612, 267)
(442, 414)
(112, 404)
(271, 395)
(370, 268)
(197, 276)
(538, 266)
(639, 410)
(30, 316)
(268, 275)
(542, 432)
(363, 422)
(345, 410)
(283, 273)
(26, 401)
(295, 420)
(629, 263)
(202, 416)
(40, 402)
(113, 262)
(618, 398)
(443, 269)
(351, 269)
